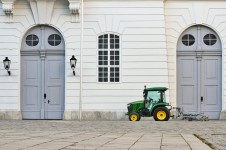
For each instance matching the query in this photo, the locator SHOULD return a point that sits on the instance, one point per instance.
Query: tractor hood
(137, 102)
(136, 105)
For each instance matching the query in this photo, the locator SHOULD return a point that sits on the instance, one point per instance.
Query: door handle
(48, 101)
(201, 99)
(44, 95)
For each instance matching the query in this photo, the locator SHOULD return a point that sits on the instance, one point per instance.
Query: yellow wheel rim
(133, 117)
(161, 115)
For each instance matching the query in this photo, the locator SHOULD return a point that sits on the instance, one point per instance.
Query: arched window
(108, 58)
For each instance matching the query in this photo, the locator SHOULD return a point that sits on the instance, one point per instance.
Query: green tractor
(153, 105)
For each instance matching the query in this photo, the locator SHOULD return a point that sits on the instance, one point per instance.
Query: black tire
(161, 114)
(139, 118)
(134, 117)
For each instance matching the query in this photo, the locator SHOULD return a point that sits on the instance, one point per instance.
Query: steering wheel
(150, 99)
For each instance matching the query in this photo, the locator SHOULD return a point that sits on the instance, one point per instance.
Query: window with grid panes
(54, 40)
(32, 40)
(210, 39)
(108, 58)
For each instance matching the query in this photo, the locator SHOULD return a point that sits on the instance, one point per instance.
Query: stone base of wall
(223, 115)
(86, 115)
(95, 115)
(10, 115)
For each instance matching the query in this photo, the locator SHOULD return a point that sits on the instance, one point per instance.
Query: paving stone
(195, 143)
(110, 135)
(146, 145)
(50, 145)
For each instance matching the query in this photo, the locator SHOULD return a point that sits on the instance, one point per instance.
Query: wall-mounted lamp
(7, 63)
(73, 62)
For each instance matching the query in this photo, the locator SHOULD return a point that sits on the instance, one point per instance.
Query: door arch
(42, 74)
(199, 71)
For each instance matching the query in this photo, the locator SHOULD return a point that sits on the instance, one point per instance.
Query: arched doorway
(199, 71)
(42, 74)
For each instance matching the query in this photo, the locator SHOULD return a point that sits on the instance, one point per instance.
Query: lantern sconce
(73, 62)
(7, 63)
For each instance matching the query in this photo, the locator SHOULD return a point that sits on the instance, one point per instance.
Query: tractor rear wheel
(134, 117)
(161, 114)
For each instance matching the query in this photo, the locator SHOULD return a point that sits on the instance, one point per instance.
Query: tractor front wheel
(161, 114)
(134, 117)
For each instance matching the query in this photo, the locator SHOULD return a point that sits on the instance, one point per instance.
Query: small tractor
(153, 105)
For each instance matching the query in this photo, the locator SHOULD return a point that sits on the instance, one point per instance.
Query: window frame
(209, 39)
(109, 65)
(31, 40)
(54, 40)
(188, 39)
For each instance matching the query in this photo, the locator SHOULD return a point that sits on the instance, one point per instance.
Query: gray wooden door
(54, 81)
(31, 87)
(187, 83)
(199, 72)
(211, 86)
(42, 74)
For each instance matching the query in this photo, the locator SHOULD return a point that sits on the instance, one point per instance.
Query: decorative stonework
(74, 7)
(42, 10)
(7, 6)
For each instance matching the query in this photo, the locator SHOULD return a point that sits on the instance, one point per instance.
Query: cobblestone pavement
(110, 135)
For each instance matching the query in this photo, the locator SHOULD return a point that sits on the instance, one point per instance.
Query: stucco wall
(141, 27)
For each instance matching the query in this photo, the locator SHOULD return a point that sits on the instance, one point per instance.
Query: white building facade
(120, 46)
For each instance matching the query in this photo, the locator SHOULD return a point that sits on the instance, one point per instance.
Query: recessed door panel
(31, 96)
(210, 96)
(187, 95)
